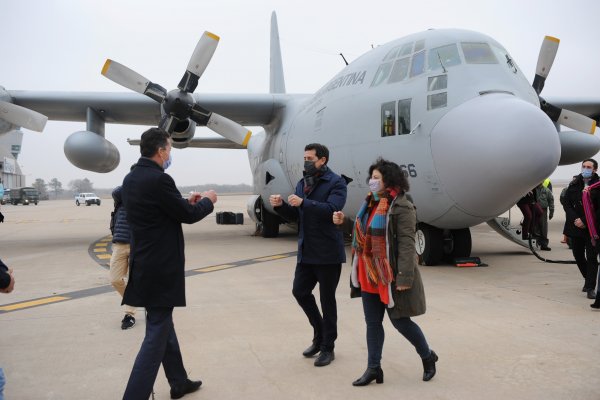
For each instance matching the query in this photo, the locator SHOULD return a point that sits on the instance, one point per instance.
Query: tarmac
(516, 329)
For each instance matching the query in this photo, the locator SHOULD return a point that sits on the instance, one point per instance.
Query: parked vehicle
(24, 195)
(87, 198)
(6, 197)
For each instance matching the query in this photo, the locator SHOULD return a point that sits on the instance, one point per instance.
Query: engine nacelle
(90, 151)
(183, 133)
(4, 125)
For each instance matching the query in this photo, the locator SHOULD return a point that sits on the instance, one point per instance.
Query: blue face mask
(167, 163)
(586, 172)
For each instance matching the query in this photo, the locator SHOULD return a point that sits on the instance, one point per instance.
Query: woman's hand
(338, 217)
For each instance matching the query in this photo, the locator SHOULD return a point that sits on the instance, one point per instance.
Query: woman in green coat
(384, 267)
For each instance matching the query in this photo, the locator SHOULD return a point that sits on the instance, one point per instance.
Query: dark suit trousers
(587, 259)
(305, 280)
(160, 345)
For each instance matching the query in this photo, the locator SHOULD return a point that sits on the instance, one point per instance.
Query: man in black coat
(320, 246)
(155, 211)
(584, 252)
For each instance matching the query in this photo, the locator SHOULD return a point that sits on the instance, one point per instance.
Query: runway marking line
(215, 268)
(83, 293)
(33, 303)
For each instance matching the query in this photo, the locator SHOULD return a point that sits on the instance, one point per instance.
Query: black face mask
(309, 167)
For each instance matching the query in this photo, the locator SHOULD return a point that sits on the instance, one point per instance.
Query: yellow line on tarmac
(215, 268)
(269, 258)
(103, 256)
(33, 303)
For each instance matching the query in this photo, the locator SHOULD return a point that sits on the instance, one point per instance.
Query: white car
(87, 198)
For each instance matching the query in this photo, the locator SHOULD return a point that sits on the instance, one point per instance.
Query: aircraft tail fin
(276, 81)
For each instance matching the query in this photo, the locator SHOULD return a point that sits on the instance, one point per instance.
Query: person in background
(155, 212)
(320, 246)
(546, 203)
(119, 259)
(531, 210)
(584, 251)
(384, 267)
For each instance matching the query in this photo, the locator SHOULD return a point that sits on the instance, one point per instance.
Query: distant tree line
(54, 189)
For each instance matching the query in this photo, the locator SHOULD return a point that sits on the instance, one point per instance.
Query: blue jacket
(121, 231)
(320, 241)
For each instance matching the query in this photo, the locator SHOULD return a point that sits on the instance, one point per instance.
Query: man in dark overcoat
(155, 211)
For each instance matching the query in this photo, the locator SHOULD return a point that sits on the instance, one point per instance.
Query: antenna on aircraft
(344, 58)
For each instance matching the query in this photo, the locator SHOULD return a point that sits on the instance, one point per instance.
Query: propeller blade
(229, 129)
(576, 121)
(545, 60)
(571, 119)
(199, 61)
(130, 79)
(23, 117)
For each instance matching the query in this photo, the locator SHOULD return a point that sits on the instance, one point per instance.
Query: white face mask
(375, 185)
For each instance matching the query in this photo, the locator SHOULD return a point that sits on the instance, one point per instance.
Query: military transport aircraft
(450, 106)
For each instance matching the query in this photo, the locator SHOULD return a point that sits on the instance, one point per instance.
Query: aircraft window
(445, 55)
(391, 54)
(405, 50)
(419, 45)
(388, 119)
(399, 70)
(437, 82)
(418, 64)
(437, 100)
(404, 116)
(478, 53)
(503, 56)
(382, 73)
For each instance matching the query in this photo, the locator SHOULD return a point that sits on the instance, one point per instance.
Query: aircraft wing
(137, 109)
(586, 106)
(203, 143)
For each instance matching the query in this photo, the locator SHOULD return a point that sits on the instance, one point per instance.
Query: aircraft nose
(491, 150)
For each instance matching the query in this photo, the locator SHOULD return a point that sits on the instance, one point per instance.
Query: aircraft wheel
(461, 243)
(429, 244)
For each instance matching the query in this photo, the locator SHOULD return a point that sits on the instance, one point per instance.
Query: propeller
(23, 117)
(573, 120)
(178, 105)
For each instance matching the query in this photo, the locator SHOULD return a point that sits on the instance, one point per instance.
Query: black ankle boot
(370, 375)
(429, 366)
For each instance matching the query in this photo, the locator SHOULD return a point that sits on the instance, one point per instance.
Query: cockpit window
(419, 45)
(478, 53)
(382, 73)
(405, 50)
(391, 54)
(400, 70)
(418, 64)
(446, 56)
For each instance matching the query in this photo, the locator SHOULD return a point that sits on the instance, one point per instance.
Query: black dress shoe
(312, 350)
(325, 358)
(429, 366)
(370, 375)
(178, 391)
(596, 304)
(545, 248)
(591, 294)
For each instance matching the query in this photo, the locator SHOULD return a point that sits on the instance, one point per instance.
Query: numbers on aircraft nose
(409, 170)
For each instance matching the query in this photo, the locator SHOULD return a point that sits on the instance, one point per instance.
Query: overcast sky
(62, 44)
